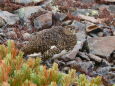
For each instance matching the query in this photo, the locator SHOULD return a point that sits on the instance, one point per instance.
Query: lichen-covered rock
(26, 12)
(87, 12)
(9, 18)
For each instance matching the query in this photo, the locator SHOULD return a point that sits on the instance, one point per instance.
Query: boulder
(102, 46)
(43, 21)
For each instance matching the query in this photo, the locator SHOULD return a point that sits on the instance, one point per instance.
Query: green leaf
(9, 46)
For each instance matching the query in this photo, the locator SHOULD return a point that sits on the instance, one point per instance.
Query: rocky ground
(94, 53)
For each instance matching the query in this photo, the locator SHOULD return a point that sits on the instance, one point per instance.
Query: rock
(88, 1)
(109, 0)
(81, 34)
(100, 34)
(112, 57)
(104, 70)
(87, 12)
(105, 63)
(112, 8)
(2, 22)
(84, 56)
(2, 35)
(60, 16)
(26, 36)
(2, 38)
(86, 67)
(114, 33)
(95, 58)
(106, 32)
(113, 27)
(55, 9)
(78, 59)
(26, 1)
(56, 56)
(90, 19)
(9, 18)
(43, 21)
(102, 46)
(1, 1)
(10, 29)
(25, 12)
(75, 50)
(93, 35)
(46, 3)
(108, 73)
(109, 79)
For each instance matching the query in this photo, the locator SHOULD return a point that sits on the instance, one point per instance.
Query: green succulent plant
(15, 71)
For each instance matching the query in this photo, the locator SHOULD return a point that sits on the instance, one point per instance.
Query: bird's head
(69, 30)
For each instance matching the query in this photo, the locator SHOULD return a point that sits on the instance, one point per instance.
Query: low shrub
(16, 71)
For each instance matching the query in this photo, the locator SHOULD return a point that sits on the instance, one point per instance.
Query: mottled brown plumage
(63, 38)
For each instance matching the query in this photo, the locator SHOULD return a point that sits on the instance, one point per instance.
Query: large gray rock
(88, 1)
(27, 1)
(43, 21)
(1, 1)
(81, 34)
(86, 67)
(88, 12)
(60, 16)
(9, 17)
(102, 46)
(112, 8)
(2, 22)
(26, 12)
